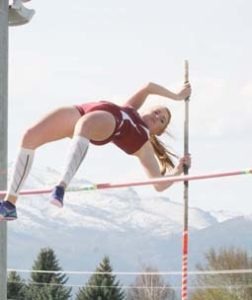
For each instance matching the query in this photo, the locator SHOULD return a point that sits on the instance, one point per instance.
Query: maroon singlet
(130, 133)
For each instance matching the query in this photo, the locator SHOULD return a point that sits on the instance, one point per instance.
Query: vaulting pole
(3, 136)
(186, 192)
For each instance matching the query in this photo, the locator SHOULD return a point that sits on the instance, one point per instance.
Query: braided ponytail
(163, 154)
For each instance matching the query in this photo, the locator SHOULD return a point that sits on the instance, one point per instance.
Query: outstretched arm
(138, 99)
(151, 166)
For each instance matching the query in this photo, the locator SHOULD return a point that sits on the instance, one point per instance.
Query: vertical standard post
(186, 187)
(3, 137)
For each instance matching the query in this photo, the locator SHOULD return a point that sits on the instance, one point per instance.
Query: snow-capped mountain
(132, 231)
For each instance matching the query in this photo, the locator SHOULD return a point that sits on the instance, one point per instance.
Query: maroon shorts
(102, 106)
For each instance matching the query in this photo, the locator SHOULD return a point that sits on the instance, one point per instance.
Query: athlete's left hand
(183, 161)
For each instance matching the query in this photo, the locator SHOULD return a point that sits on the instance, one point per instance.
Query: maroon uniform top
(130, 133)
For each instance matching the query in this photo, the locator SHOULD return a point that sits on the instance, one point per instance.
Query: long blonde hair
(163, 154)
(161, 151)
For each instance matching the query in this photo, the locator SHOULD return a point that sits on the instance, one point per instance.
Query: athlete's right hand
(185, 92)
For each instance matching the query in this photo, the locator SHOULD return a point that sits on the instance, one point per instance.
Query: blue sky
(95, 50)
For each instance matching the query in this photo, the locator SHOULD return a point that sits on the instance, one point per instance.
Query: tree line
(150, 285)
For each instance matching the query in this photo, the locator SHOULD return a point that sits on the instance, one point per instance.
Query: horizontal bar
(102, 186)
(172, 179)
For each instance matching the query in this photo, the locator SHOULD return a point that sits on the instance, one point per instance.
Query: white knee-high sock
(21, 170)
(76, 154)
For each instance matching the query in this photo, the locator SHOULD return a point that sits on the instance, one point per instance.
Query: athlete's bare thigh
(56, 125)
(96, 125)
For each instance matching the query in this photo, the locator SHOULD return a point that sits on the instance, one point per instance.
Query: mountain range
(133, 231)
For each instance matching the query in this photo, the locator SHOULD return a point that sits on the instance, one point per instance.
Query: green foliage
(225, 286)
(16, 286)
(150, 286)
(47, 286)
(102, 286)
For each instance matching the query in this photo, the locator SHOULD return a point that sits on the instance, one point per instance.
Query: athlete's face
(157, 119)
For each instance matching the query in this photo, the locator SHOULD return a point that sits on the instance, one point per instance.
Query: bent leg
(56, 125)
(98, 126)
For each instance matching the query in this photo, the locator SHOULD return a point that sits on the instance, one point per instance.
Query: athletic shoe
(57, 195)
(8, 211)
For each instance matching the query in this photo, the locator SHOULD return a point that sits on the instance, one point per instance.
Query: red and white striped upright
(184, 266)
(186, 187)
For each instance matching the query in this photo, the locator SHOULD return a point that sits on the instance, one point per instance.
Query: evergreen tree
(47, 286)
(102, 286)
(150, 287)
(15, 286)
(224, 286)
